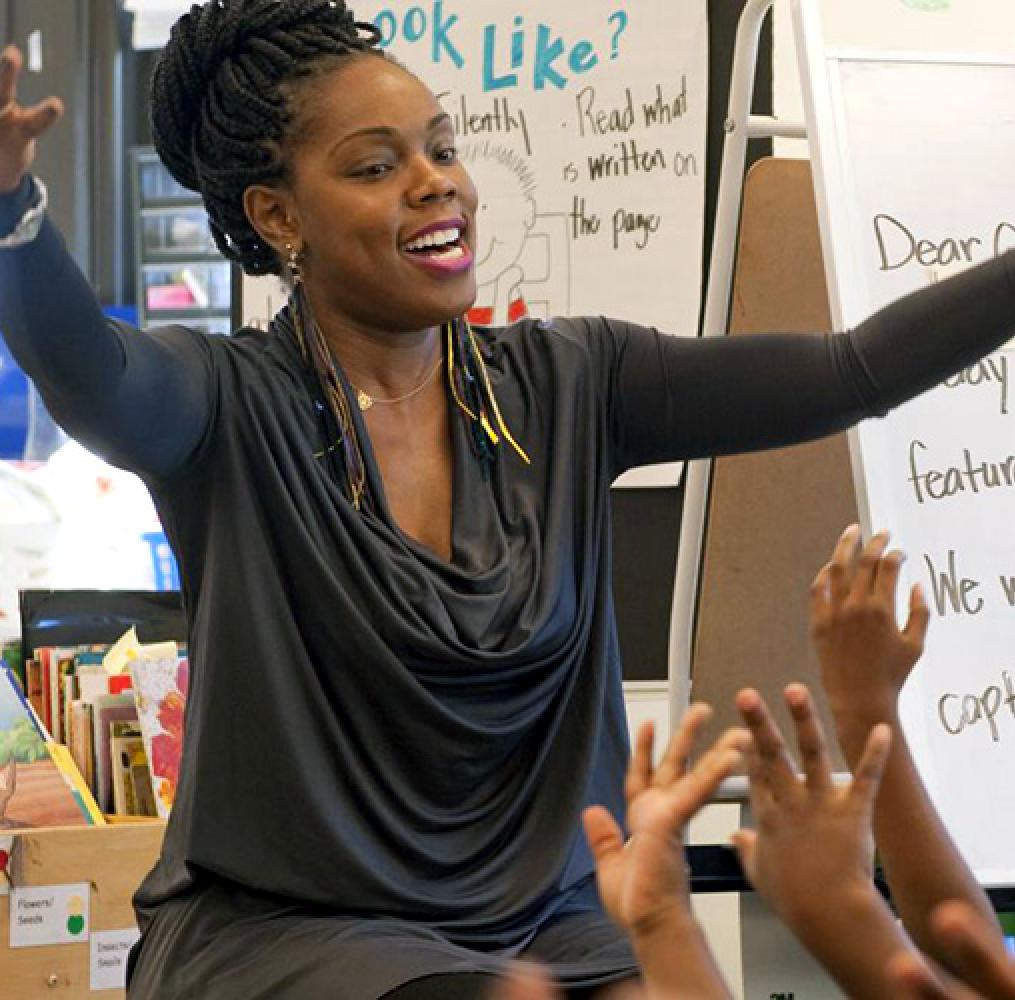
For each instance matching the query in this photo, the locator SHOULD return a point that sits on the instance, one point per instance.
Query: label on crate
(48, 914)
(108, 950)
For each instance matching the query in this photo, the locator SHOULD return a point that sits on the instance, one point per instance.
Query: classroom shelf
(181, 276)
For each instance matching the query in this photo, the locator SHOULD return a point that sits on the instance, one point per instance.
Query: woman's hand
(865, 657)
(643, 881)
(19, 127)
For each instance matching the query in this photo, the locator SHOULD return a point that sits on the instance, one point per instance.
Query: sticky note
(48, 914)
(108, 958)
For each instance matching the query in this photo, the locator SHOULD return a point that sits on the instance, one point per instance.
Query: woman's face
(386, 211)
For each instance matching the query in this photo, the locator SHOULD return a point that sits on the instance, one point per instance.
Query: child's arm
(865, 660)
(643, 882)
(810, 856)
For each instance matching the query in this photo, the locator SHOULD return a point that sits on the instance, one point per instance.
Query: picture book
(128, 753)
(106, 709)
(160, 687)
(37, 787)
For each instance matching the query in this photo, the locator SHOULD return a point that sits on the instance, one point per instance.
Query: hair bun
(232, 37)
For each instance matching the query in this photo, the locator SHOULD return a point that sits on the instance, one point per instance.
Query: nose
(431, 182)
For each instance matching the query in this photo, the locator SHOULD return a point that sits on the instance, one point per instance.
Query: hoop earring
(295, 263)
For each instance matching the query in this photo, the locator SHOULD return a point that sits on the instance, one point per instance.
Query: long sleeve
(143, 401)
(671, 398)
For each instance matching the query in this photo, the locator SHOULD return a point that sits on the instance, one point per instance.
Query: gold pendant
(365, 402)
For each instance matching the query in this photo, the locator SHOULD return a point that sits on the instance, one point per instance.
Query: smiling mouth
(442, 252)
(440, 245)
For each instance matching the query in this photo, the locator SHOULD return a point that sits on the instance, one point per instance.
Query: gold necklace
(365, 400)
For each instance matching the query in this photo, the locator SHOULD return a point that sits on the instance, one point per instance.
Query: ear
(273, 215)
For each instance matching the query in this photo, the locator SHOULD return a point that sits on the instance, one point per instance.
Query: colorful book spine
(68, 769)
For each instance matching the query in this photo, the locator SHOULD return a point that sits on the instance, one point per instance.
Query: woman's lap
(226, 943)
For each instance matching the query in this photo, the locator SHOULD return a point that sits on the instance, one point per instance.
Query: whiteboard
(584, 127)
(913, 167)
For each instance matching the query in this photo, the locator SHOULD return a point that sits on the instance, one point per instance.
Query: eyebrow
(385, 131)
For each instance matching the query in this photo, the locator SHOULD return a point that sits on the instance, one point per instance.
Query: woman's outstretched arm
(689, 397)
(141, 400)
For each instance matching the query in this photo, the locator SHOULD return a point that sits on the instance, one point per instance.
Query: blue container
(167, 573)
(14, 404)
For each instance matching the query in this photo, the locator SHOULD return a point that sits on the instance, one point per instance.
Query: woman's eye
(374, 170)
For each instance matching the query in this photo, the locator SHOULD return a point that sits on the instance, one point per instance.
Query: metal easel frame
(741, 126)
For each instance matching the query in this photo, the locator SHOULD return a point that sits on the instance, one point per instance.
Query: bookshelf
(181, 276)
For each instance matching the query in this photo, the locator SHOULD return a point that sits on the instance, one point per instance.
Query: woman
(393, 534)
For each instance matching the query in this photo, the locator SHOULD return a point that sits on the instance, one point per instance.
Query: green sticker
(928, 4)
(76, 925)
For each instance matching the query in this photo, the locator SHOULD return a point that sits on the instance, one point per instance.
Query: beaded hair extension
(472, 392)
(320, 360)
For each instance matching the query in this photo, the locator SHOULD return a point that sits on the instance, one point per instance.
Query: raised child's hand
(865, 657)
(643, 881)
(19, 127)
(813, 840)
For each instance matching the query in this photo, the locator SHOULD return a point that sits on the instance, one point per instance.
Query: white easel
(740, 126)
(773, 963)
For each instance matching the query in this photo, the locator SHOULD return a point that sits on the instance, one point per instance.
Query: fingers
(867, 778)
(10, 67)
(974, 950)
(639, 770)
(674, 762)
(43, 116)
(840, 568)
(745, 842)
(856, 572)
(604, 836)
(771, 766)
(810, 737)
(820, 593)
(919, 616)
(913, 980)
(888, 575)
(868, 565)
(717, 764)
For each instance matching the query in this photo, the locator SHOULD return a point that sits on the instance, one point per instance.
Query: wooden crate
(112, 860)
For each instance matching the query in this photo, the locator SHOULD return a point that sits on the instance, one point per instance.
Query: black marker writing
(952, 591)
(941, 483)
(958, 712)
(898, 246)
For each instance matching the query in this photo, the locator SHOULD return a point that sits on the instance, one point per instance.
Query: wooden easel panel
(773, 516)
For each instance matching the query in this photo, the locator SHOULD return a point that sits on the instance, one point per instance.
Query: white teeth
(436, 239)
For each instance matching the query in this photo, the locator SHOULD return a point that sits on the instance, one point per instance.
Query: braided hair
(224, 100)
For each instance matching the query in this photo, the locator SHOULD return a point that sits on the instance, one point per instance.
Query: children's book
(126, 747)
(144, 797)
(93, 680)
(82, 740)
(37, 787)
(106, 709)
(160, 687)
(33, 685)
